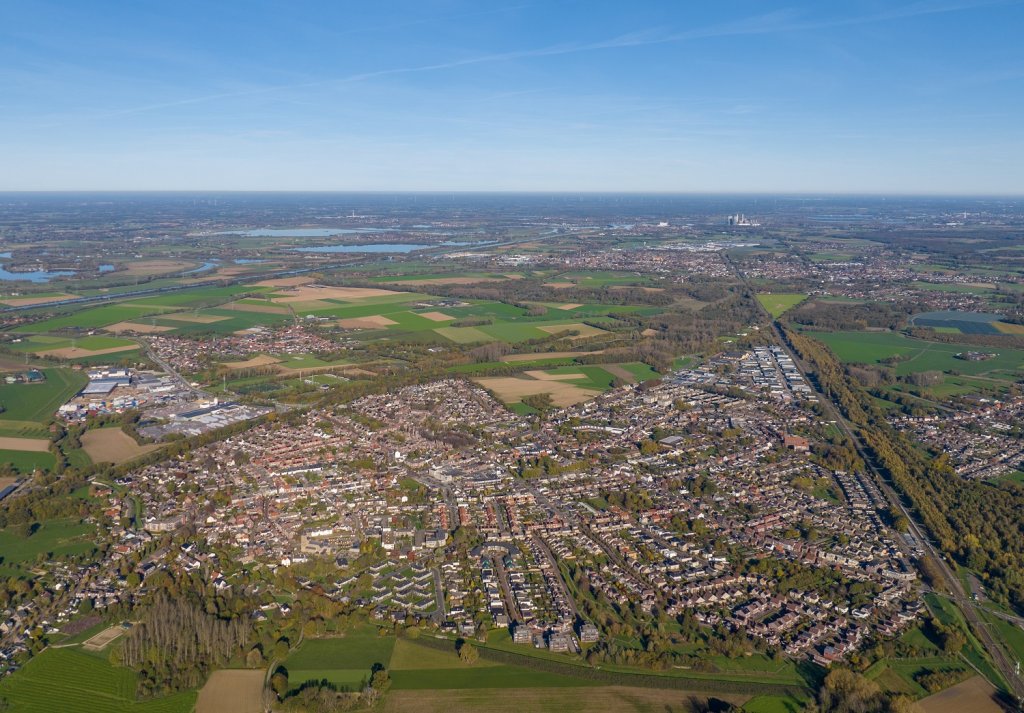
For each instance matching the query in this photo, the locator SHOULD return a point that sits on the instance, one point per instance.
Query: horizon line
(537, 192)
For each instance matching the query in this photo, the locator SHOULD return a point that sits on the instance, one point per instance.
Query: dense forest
(177, 643)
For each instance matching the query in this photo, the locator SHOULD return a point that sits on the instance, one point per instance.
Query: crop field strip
(66, 679)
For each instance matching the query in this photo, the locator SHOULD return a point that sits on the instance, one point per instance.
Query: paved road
(558, 576)
(506, 592)
(439, 611)
(182, 381)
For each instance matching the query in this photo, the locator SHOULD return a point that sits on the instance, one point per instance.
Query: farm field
(512, 389)
(39, 299)
(232, 691)
(518, 331)
(92, 318)
(974, 695)
(75, 348)
(446, 278)
(779, 303)
(965, 322)
(70, 680)
(38, 402)
(598, 278)
(35, 445)
(465, 677)
(598, 699)
(567, 385)
(372, 313)
(112, 445)
(754, 669)
(920, 355)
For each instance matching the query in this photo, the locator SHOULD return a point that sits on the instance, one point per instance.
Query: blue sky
(878, 96)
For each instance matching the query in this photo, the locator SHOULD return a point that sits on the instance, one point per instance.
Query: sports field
(100, 641)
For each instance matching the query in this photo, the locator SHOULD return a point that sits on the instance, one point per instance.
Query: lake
(34, 276)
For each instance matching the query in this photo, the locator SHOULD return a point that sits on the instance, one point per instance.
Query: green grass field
(777, 304)
(1016, 476)
(774, 704)
(351, 679)
(344, 661)
(899, 675)
(920, 355)
(947, 612)
(410, 656)
(752, 669)
(466, 677)
(38, 402)
(92, 318)
(27, 461)
(463, 335)
(70, 680)
(59, 537)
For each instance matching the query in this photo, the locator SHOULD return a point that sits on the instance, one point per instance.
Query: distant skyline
(865, 96)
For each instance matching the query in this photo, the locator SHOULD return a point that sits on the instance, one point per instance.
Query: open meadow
(916, 355)
(778, 304)
(19, 551)
(38, 402)
(345, 661)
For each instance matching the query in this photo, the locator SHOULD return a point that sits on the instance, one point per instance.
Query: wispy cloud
(776, 22)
